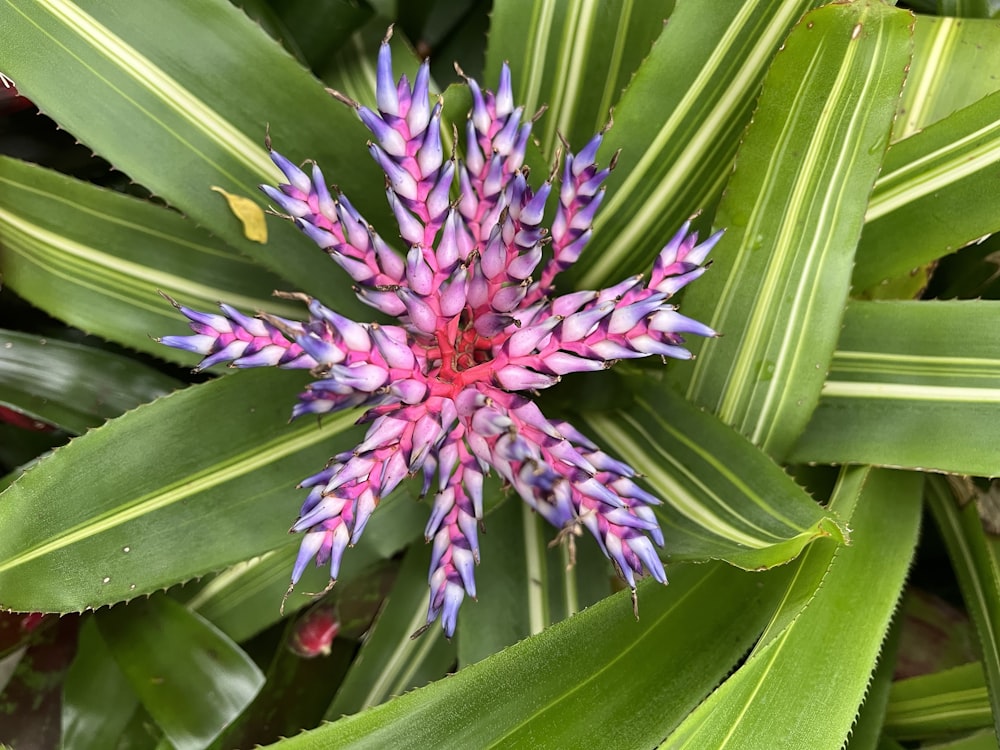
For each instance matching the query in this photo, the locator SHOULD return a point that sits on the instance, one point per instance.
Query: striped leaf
(72, 386)
(939, 704)
(954, 60)
(574, 57)
(160, 508)
(902, 369)
(829, 645)
(724, 499)
(187, 108)
(550, 691)
(935, 194)
(975, 557)
(679, 124)
(95, 259)
(793, 212)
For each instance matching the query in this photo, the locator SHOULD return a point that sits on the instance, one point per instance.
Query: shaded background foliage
(829, 514)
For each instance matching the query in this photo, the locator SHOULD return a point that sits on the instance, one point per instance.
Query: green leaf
(933, 195)
(724, 499)
(160, 507)
(296, 691)
(827, 649)
(190, 106)
(192, 679)
(95, 259)
(678, 126)
(793, 210)
(72, 386)
(550, 691)
(954, 61)
(985, 740)
(939, 704)
(902, 368)
(244, 599)
(513, 580)
(391, 661)
(574, 57)
(969, 8)
(318, 29)
(975, 558)
(868, 727)
(97, 699)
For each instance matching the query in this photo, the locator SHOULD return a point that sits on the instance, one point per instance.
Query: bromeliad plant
(847, 148)
(444, 388)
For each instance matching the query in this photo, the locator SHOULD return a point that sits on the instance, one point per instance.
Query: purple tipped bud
(419, 275)
(504, 102)
(583, 323)
(534, 210)
(586, 157)
(453, 296)
(393, 345)
(298, 179)
(400, 180)
(417, 115)
(480, 116)
(421, 314)
(431, 154)
(292, 206)
(360, 377)
(504, 141)
(517, 378)
(388, 137)
(385, 87)
(508, 298)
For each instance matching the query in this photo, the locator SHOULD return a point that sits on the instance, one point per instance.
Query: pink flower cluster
(444, 389)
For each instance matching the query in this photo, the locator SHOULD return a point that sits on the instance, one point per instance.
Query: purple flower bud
(421, 314)
(385, 88)
(388, 138)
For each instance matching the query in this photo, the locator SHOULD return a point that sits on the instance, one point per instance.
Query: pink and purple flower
(480, 328)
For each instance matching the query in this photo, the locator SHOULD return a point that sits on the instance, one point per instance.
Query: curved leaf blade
(535, 692)
(793, 212)
(179, 131)
(975, 556)
(901, 366)
(160, 508)
(954, 60)
(828, 649)
(95, 259)
(72, 386)
(678, 126)
(576, 58)
(93, 684)
(192, 679)
(939, 704)
(724, 498)
(390, 660)
(934, 194)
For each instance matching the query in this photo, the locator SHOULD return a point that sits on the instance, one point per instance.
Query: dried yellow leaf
(249, 214)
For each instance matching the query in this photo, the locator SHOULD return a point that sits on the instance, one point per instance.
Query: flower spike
(479, 327)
